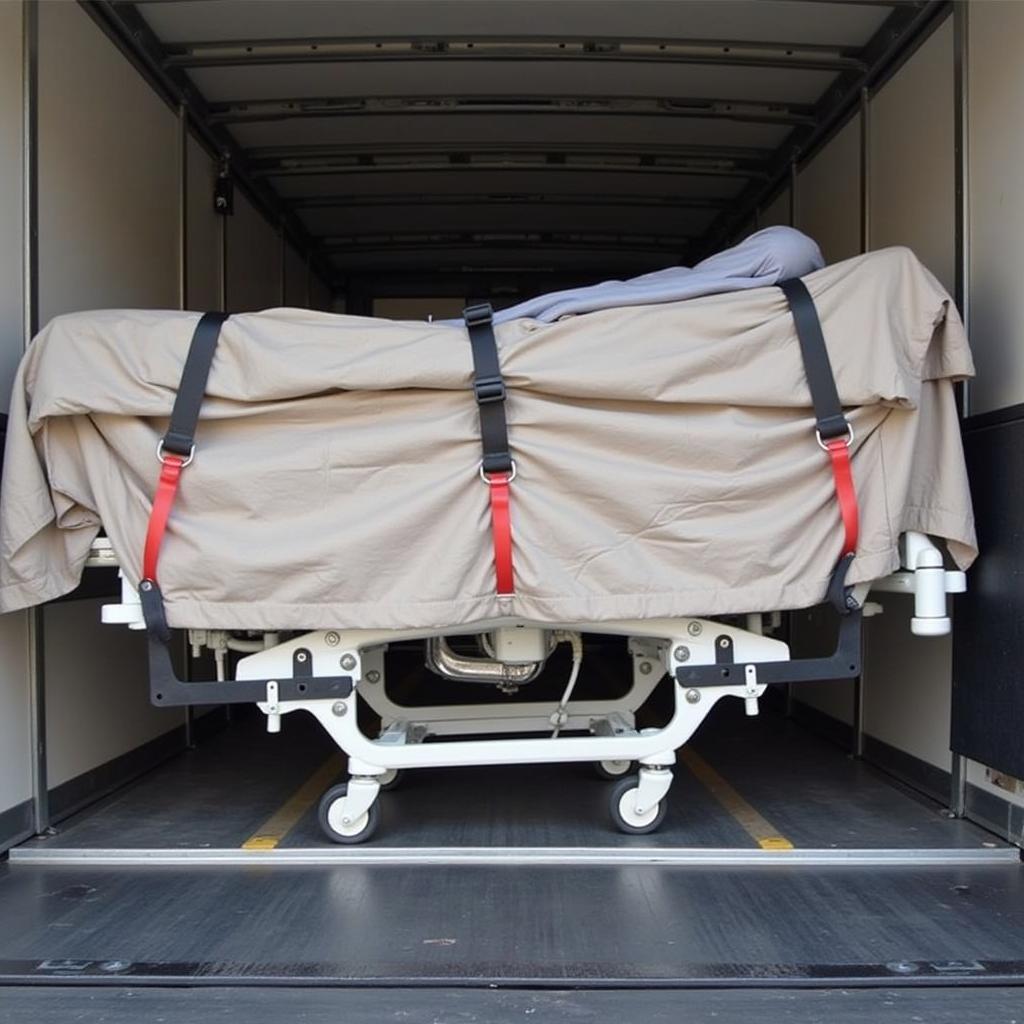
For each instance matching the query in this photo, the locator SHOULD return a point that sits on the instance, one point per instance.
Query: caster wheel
(612, 770)
(624, 813)
(391, 779)
(341, 832)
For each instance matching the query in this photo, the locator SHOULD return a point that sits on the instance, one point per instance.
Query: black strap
(489, 388)
(831, 421)
(180, 436)
(827, 409)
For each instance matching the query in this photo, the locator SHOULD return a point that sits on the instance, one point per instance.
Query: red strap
(501, 527)
(166, 489)
(839, 452)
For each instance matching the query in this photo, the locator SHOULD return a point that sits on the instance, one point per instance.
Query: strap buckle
(488, 390)
(846, 441)
(163, 456)
(509, 476)
(482, 313)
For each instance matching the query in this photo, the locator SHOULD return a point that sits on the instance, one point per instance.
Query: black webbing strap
(175, 452)
(831, 422)
(489, 388)
(822, 382)
(180, 436)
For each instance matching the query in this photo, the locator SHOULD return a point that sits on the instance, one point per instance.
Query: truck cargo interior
(403, 161)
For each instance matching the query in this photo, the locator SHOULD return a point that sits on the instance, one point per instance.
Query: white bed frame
(501, 731)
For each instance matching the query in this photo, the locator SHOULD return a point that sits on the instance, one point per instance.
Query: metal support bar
(958, 786)
(865, 170)
(30, 324)
(750, 111)
(417, 200)
(383, 50)
(843, 663)
(284, 264)
(962, 269)
(167, 690)
(792, 192)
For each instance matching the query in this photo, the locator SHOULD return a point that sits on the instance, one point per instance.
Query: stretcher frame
(706, 660)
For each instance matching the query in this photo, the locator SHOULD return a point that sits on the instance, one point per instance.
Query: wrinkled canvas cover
(666, 458)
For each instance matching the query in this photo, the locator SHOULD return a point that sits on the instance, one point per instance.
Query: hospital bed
(747, 467)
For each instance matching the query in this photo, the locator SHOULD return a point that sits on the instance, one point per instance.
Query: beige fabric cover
(666, 457)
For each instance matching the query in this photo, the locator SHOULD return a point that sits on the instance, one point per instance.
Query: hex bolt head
(693, 696)
(339, 708)
(373, 676)
(695, 629)
(348, 662)
(332, 639)
(681, 653)
(645, 668)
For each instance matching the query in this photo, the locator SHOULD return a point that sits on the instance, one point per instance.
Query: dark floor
(564, 926)
(807, 789)
(454, 1006)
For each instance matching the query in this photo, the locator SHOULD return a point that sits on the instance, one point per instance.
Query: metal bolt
(645, 668)
(145, 585)
(694, 629)
(348, 662)
(301, 657)
(339, 708)
(681, 653)
(332, 639)
(693, 696)
(373, 676)
(723, 641)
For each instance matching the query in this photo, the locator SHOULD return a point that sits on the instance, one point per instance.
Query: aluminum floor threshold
(513, 856)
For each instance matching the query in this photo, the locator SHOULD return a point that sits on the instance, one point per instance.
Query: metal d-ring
(824, 446)
(161, 455)
(511, 474)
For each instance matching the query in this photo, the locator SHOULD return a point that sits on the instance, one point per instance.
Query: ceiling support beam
(748, 111)
(341, 50)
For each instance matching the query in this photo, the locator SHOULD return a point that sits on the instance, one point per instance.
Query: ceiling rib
(723, 52)
(753, 111)
(502, 240)
(515, 161)
(418, 200)
(384, 152)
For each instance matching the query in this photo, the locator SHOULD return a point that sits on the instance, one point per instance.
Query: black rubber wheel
(360, 832)
(604, 770)
(390, 780)
(629, 822)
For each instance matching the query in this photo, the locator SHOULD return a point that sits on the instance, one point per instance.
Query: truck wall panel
(828, 206)
(108, 208)
(296, 279)
(911, 158)
(15, 753)
(908, 680)
(108, 237)
(996, 99)
(204, 226)
(254, 259)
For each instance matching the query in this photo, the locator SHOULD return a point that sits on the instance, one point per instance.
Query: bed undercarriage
(330, 672)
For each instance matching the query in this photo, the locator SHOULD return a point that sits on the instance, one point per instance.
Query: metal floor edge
(511, 856)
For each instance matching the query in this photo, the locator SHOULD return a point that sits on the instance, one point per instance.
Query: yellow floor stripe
(283, 820)
(759, 828)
